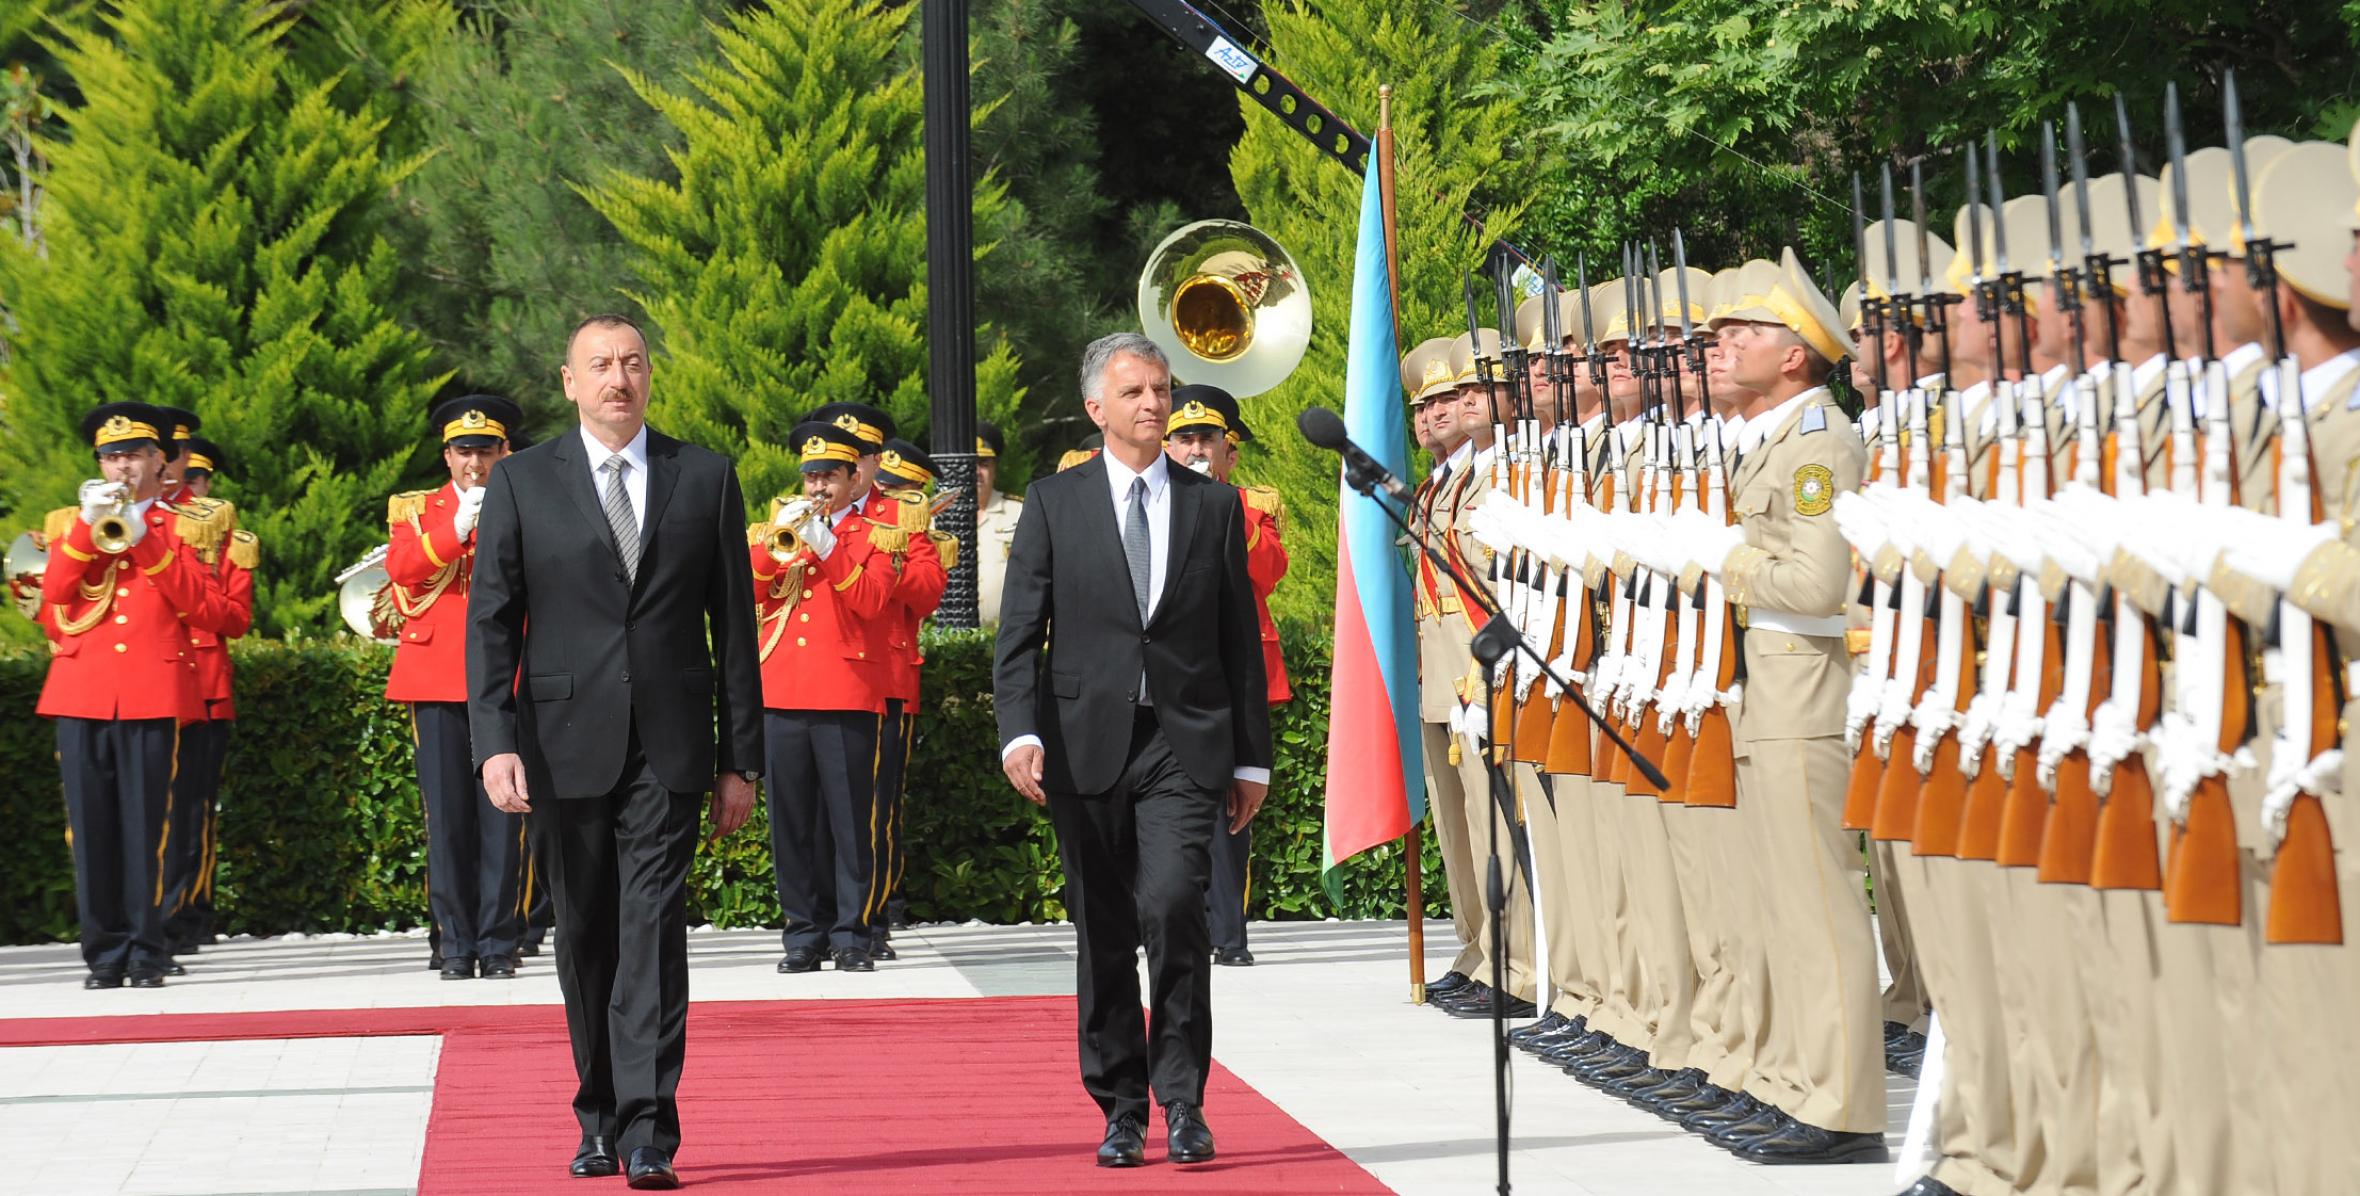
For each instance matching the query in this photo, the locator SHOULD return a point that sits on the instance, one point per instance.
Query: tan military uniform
(995, 532)
(1824, 1067)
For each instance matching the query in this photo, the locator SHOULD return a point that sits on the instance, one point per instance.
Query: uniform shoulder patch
(1815, 490)
(244, 550)
(59, 523)
(1814, 420)
(1267, 500)
(405, 507)
(947, 545)
(757, 533)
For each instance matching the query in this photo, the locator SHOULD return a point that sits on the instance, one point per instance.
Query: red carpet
(950, 1096)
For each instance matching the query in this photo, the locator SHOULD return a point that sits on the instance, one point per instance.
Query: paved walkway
(1322, 1027)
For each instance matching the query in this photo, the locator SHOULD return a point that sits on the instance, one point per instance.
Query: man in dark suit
(1153, 720)
(612, 677)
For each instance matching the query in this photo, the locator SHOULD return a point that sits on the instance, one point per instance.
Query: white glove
(1860, 705)
(2061, 730)
(2092, 518)
(1940, 530)
(470, 510)
(2270, 550)
(2062, 546)
(2179, 763)
(1711, 545)
(1934, 718)
(2113, 738)
(1490, 523)
(1974, 731)
(2322, 776)
(814, 531)
(100, 496)
(1860, 523)
(1893, 708)
(1671, 702)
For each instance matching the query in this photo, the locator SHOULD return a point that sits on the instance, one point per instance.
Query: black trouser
(1232, 881)
(118, 782)
(1135, 867)
(474, 852)
(822, 783)
(618, 875)
(893, 782)
(188, 857)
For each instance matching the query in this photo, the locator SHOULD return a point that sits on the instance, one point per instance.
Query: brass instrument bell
(1227, 304)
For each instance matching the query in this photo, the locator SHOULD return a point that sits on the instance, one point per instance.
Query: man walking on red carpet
(612, 679)
(1152, 720)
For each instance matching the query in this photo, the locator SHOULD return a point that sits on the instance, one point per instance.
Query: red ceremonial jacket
(119, 625)
(819, 624)
(215, 674)
(917, 590)
(1266, 564)
(429, 564)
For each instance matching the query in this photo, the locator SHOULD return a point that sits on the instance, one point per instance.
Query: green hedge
(320, 827)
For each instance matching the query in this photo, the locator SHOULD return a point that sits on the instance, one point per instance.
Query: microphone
(1325, 428)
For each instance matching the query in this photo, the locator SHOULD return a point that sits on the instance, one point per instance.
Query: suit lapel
(1186, 496)
(574, 478)
(1100, 527)
(663, 472)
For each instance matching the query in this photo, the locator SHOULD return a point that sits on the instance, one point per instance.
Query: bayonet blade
(2081, 178)
(1680, 280)
(2233, 120)
(1581, 278)
(1974, 222)
(1917, 216)
(2049, 192)
(2177, 143)
(1552, 341)
(1892, 257)
(1999, 204)
(2130, 166)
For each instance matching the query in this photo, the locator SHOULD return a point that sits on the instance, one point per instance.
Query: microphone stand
(1497, 640)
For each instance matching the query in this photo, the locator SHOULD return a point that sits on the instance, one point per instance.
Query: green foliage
(786, 265)
(1742, 120)
(1452, 154)
(320, 827)
(523, 103)
(214, 242)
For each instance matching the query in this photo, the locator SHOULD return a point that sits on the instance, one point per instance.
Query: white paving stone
(1323, 1027)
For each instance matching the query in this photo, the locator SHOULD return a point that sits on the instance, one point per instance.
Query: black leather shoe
(1674, 1087)
(1125, 1144)
(1591, 1043)
(1448, 983)
(146, 978)
(1808, 1144)
(801, 959)
(1233, 957)
(650, 1170)
(1769, 1123)
(1895, 1035)
(1189, 1141)
(881, 947)
(103, 980)
(1707, 1099)
(174, 968)
(1617, 1063)
(1521, 1037)
(1472, 993)
(1930, 1186)
(595, 1158)
(458, 968)
(1737, 1108)
(852, 959)
(529, 948)
(499, 967)
(1637, 1082)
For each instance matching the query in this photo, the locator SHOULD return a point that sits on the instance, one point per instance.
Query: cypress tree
(213, 229)
(1451, 136)
(786, 266)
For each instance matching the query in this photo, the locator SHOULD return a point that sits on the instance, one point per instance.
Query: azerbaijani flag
(1375, 783)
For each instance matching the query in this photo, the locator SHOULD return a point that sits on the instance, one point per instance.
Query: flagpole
(1413, 845)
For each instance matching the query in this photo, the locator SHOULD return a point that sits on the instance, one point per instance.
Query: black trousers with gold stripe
(118, 783)
(474, 851)
(893, 783)
(821, 781)
(189, 857)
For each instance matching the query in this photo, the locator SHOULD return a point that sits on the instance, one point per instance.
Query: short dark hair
(604, 319)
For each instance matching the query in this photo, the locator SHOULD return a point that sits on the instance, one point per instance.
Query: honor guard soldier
(229, 554)
(821, 590)
(995, 524)
(1203, 434)
(904, 471)
(1817, 1092)
(474, 852)
(118, 598)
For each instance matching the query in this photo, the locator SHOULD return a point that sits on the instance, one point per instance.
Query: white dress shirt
(1159, 554)
(1758, 428)
(634, 478)
(2315, 381)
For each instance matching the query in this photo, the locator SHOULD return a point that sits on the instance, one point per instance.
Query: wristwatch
(749, 775)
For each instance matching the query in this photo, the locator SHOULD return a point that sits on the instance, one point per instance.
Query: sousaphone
(1227, 304)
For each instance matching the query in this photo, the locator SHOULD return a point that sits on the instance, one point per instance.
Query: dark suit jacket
(563, 654)
(1068, 584)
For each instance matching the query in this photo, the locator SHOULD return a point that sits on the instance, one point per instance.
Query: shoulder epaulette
(891, 540)
(59, 524)
(244, 550)
(1814, 420)
(221, 509)
(757, 533)
(912, 512)
(201, 527)
(1266, 498)
(406, 507)
(1018, 499)
(948, 546)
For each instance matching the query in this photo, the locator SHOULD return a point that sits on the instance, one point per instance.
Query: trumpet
(110, 532)
(786, 515)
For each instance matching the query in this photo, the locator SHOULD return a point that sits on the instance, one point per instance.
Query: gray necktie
(618, 516)
(1137, 547)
